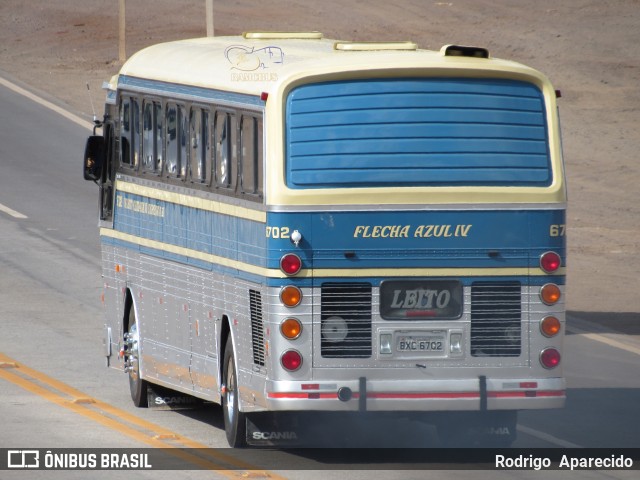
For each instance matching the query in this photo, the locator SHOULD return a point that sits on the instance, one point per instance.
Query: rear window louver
(496, 319)
(346, 320)
(417, 132)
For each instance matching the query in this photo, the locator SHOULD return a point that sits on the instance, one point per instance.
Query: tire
(137, 386)
(234, 419)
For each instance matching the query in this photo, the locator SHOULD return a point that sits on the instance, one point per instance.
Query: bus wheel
(234, 419)
(137, 385)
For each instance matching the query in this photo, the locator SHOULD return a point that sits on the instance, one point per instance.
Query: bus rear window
(417, 132)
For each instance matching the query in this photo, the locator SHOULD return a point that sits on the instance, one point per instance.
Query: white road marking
(607, 339)
(604, 337)
(547, 438)
(12, 212)
(45, 103)
(612, 342)
(41, 101)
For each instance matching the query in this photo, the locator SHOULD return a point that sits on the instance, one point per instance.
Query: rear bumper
(431, 395)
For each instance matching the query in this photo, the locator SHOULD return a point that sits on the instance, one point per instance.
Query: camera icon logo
(23, 459)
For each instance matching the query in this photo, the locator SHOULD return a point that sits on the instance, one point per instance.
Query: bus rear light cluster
(291, 360)
(290, 264)
(550, 294)
(291, 328)
(550, 326)
(550, 358)
(290, 296)
(550, 262)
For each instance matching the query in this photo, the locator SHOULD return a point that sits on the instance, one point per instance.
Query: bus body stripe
(322, 272)
(195, 254)
(418, 395)
(192, 201)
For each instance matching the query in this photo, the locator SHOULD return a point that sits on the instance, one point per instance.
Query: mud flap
(161, 398)
(273, 430)
(478, 429)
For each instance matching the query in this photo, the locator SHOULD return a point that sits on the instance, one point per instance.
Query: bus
(295, 227)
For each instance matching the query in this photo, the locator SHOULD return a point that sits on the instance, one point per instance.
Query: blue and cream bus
(297, 225)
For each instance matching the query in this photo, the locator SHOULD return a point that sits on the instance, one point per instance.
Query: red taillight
(290, 264)
(550, 262)
(291, 360)
(550, 358)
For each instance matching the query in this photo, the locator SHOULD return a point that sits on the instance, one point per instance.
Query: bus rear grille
(496, 324)
(257, 331)
(345, 320)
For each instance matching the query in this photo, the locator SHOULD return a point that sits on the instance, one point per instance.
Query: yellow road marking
(118, 420)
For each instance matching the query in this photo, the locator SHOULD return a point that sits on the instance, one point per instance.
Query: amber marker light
(290, 296)
(550, 294)
(291, 328)
(550, 326)
(550, 262)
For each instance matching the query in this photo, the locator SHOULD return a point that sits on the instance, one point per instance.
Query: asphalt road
(55, 391)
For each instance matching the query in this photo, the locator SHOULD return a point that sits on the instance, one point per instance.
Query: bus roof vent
(282, 35)
(462, 51)
(371, 46)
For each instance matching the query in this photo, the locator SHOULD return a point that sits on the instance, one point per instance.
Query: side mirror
(94, 153)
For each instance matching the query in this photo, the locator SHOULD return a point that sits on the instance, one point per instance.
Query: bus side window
(148, 141)
(152, 137)
(159, 135)
(200, 150)
(225, 153)
(172, 140)
(207, 151)
(130, 135)
(136, 135)
(183, 133)
(125, 131)
(251, 155)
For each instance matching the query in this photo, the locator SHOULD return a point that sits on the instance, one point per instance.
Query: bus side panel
(189, 271)
(113, 307)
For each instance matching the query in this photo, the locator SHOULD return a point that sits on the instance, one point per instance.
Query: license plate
(422, 299)
(420, 343)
